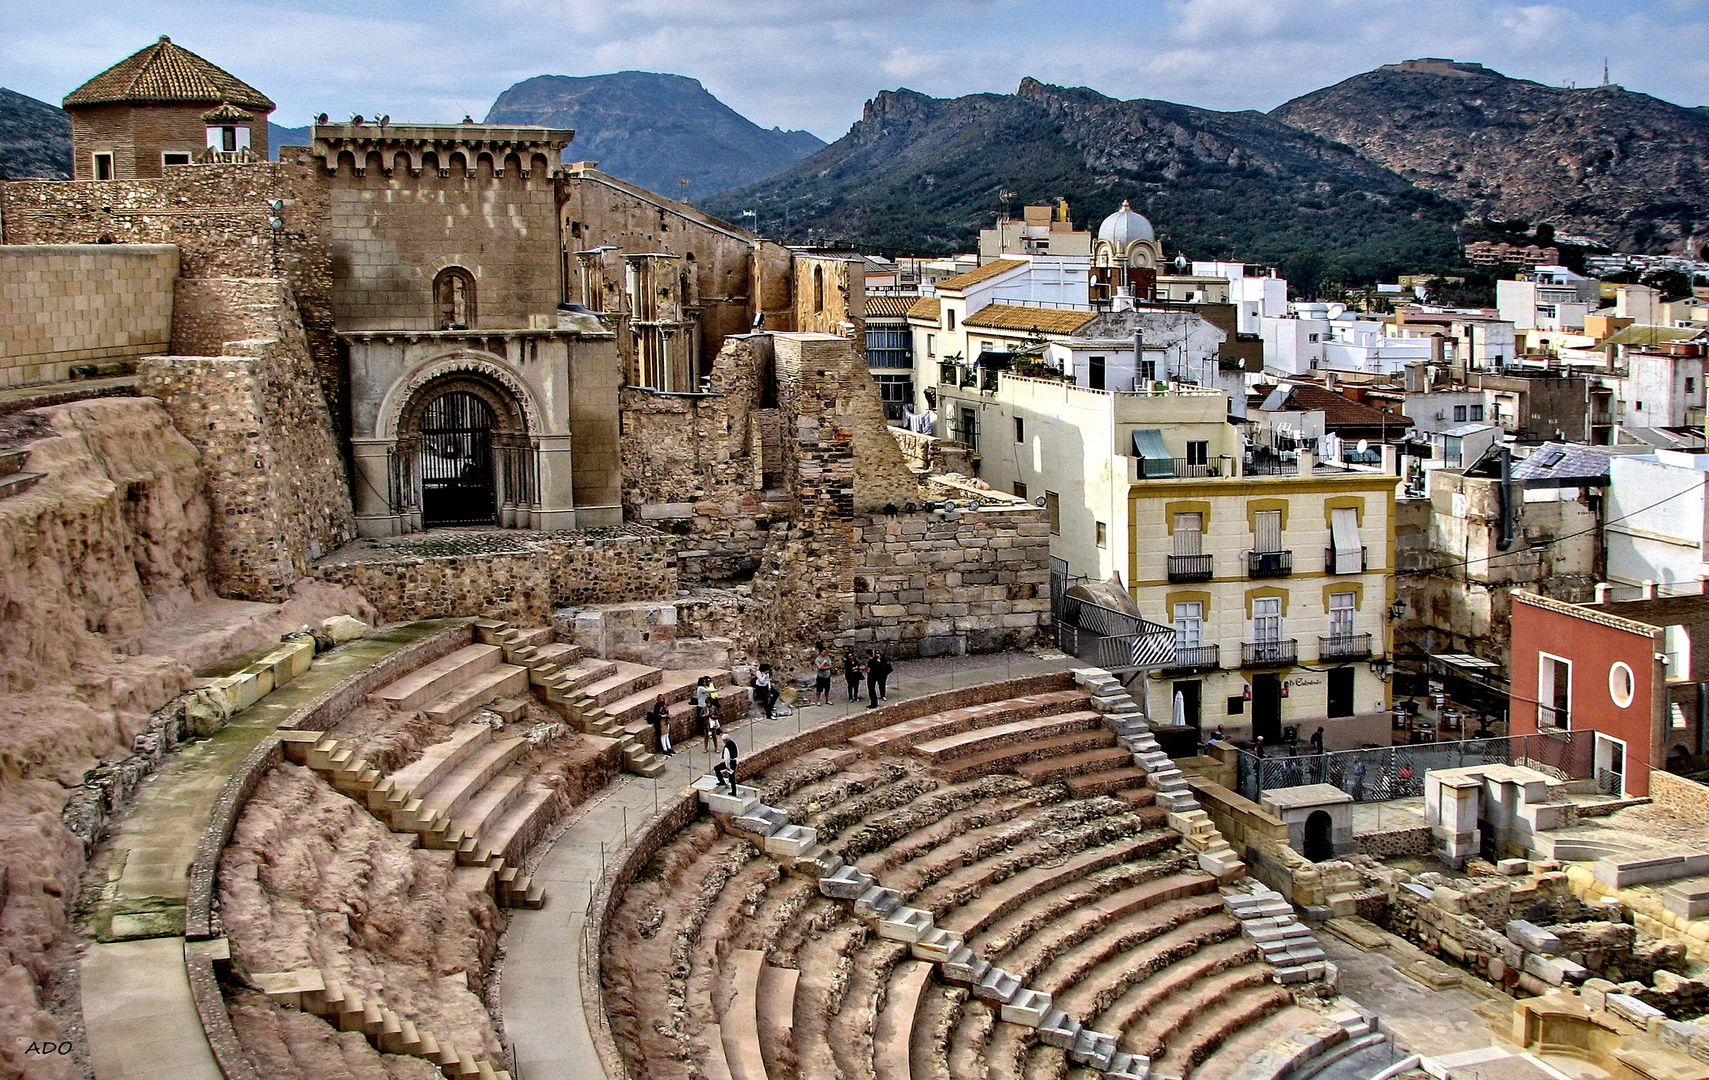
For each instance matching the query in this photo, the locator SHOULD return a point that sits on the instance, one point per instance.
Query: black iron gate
(457, 462)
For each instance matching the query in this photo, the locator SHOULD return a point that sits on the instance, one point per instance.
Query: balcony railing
(1262, 564)
(1343, 562)
(1194, 658)
(1269, 653)
(1344, 647)
(1190, 568)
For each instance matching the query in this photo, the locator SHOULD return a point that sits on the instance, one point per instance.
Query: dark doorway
(1267, 708)
(1317, 842)
(1340, 691)
(1095, 372)
(1189, 693)
(457, 462)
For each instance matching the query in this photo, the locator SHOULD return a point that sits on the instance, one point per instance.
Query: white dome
(1125, 226)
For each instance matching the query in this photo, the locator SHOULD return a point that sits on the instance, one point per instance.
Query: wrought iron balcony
(1347, 562)
(1269, 653)
(1344, 647)
(1190, 568)
(1262, 564)
(1190, 658)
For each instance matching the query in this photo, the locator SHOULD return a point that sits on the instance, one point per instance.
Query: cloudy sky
(811, 63)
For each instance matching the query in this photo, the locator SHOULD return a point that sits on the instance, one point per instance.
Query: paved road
(540, 989)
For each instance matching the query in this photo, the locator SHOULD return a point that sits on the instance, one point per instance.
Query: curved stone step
(1129, 1012)
(582, 673)
(715, 1066)
(1062, 931)
(484, 689)
(775, 1007)
(1160, 1026)
(626, 680)
(898, 737)
(438, 678)
(1086, 990)
(452, 792)
(1212, 1027)
(435, 763)
(998, 899)
(1009, 758)
(1122, 778)
(740, 1022)
(520, 828)
(485, 810)
(893, 1035)
(962, 744)
(1065, 766)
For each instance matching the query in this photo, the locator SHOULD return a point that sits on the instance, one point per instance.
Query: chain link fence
(1378, 774)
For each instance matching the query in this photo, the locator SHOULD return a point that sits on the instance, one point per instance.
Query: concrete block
(964, 967)
(1630, 1008)
(905, 924)
(1093, 1048)
(1512, 867)
(1554, 970)
(847, 883)
(790, 841)
(997, 985)
(1058, 1029)
(1027, 1008)
(936, 945)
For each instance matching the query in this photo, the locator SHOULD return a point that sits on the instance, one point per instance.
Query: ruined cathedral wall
(276, 480)
(63, 307)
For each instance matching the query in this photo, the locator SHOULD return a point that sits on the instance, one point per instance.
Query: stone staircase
(348, 1009)
(13, 479)
(450, 800)
(936, 921)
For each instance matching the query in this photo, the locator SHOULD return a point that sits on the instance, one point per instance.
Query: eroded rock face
(311, 879)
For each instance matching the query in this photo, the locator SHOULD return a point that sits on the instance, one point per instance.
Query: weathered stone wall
(1684, 801)
(523, 580)
(275, 476)
(950, 583)
(930, 454)
(65, 306)
(830, 297)
(218, 217)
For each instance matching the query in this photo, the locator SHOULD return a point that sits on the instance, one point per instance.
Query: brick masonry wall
(136, 137)
(275, 475)
(542, 572)
(1683, 800)
(66, 306)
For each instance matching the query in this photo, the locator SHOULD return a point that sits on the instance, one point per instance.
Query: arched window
(454, 298)
(818, 288)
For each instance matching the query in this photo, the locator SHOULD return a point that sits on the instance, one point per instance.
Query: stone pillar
(1451, 805)
(374, 514)
(557, 505)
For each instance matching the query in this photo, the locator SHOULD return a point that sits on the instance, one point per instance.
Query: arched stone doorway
(465, 453)
(1319, 844)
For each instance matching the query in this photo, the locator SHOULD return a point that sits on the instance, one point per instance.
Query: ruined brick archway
(464, 453)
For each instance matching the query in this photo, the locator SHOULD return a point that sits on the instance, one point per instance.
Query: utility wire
(1540, 544)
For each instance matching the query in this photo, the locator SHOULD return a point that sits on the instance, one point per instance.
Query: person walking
(764, 691)
(1317, 741)
(726, 768)
(660, 717)
(822, 664)
(853, 669)
(1358, 779)
(882, 668)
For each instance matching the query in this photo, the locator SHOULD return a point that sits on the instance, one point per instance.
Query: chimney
(1603, 588)
(1416, 379)
(1308, 462)
(1391, 459)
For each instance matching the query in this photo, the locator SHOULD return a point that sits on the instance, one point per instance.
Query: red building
(1578, 668)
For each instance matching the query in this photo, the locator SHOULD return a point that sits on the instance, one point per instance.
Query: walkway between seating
(540, 988)
(139, 1018)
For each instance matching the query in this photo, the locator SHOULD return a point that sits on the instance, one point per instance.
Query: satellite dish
(1363, 446)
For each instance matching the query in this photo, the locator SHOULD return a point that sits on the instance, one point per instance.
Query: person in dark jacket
(660, 717)
(880, 669)
(852, 674)
(726, 768)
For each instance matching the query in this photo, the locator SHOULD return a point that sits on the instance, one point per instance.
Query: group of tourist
(872, 668)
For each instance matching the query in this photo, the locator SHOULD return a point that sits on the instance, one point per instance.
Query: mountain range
(664, 132)
(1381, 172)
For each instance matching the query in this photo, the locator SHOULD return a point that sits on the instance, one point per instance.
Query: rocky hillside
(1626, 169)
(35, 138)
(920, 173)
(655, 130)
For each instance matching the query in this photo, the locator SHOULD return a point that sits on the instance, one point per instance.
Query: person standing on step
(726, 768)
(822, 665)
(711, 723)
(660, 717)
(883, 668)
(764, 692)
(870, 667)
(853, 669)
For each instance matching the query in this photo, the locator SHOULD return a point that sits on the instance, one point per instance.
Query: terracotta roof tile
(982, 273)
(227, 112)
(1339, 411)
(888, 306)
(1021, 317)
(926, 307)
(164, 72)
